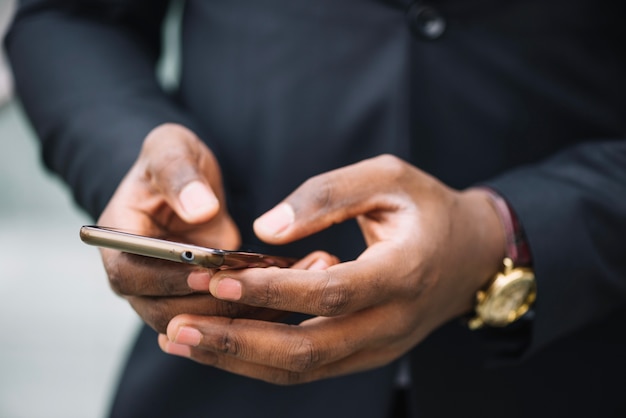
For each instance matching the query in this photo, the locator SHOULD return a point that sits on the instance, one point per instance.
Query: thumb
(197, 202)
(272, 225)
(327, 199)
(184, 171)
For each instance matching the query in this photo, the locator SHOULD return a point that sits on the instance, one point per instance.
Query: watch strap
(517, 248)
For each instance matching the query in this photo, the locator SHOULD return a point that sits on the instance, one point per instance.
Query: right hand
(173, 190)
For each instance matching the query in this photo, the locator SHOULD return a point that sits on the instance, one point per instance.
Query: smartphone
(211, 258)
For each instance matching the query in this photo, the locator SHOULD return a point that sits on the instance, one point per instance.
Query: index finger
(340, 289)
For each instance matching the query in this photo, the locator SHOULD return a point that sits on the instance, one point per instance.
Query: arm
(85, 73)
(430, 249)
(573, 210)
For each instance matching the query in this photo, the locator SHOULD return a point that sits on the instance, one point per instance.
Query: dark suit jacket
(527, 96)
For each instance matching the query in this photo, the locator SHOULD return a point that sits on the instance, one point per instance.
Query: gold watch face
(508, 298)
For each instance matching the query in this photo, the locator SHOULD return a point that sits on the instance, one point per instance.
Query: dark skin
(429, 249)
(174, 191)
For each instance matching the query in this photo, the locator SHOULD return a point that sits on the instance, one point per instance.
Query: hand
(430, 248)
(172, 191)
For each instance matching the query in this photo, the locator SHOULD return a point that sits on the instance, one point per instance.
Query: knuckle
(229, 344)
(170, 157)
(161, 133)
(264, 294)
(174, 171)
(270, 295)
(333, 298)
(392, 166)
(304, 357)
(321, 189)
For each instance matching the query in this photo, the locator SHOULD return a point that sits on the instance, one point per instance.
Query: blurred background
(63, 333)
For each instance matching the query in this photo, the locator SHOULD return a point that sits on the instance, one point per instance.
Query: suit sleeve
(573, 211)
(85, 73)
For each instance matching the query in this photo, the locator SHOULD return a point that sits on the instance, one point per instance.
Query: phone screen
(211, 258)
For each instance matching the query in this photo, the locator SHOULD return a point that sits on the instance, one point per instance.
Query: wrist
(512, 291)
(516, 245)
(485, 245)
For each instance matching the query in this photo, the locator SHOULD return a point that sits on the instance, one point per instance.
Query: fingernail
(188, 336)
(178, 349)
(199, 280)
(318, 265)
(197, 199)
(228, 289)
(275, 221)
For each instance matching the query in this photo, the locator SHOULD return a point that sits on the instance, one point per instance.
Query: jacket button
(426, 21)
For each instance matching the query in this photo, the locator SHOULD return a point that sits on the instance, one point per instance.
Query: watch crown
(508, 265)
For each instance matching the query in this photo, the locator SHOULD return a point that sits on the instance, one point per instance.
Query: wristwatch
(507, 298)
(512, 292)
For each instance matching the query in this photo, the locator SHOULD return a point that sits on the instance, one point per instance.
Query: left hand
(430, 248)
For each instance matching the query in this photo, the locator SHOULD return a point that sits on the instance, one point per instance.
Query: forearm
(86, 77)
(573, 210)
